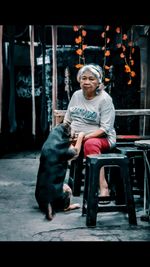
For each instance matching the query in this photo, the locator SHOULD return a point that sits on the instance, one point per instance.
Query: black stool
(90, 196)
(136, 167)
(76, 176)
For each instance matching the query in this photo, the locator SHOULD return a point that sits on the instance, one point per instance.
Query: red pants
(95, 146)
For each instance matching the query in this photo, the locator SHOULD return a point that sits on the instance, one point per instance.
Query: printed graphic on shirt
(83, 113)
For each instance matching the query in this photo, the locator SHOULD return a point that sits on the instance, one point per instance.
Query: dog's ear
(67, 126)
(62, 129)
(67, 129)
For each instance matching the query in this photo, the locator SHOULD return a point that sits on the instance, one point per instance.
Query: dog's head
(64, 130)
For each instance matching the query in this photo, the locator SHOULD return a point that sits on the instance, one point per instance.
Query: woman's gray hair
(95, 69)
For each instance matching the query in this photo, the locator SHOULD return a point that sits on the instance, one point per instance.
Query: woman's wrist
(87, 136)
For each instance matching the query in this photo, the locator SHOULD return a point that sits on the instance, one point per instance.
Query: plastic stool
(76, 176)
(90, 196)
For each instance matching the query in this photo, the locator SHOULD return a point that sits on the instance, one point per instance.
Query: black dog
(54, 158)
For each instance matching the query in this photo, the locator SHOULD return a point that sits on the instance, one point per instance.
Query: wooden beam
(119, 112)
(132, 112)
(59, 114)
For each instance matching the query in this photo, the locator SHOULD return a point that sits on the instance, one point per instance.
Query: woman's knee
(91, 147)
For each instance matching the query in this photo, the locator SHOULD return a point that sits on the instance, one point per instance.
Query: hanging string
(1, 74)
(44, 119)
(54, 73)
(31, 34)
(12, 97)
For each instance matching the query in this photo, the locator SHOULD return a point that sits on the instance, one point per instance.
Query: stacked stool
(136, 166)
(145, 146)
(90, 206)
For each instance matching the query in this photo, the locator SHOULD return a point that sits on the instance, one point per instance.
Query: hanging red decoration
(79, 40)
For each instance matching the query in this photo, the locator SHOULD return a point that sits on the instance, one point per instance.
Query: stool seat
(129, 149)
(90, 196)
(143, 143)
(110, 156)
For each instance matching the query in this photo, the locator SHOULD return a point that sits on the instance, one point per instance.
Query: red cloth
(128, 136)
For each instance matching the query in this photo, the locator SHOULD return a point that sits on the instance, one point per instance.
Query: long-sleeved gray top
(90, 115)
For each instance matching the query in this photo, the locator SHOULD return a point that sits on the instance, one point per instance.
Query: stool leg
(119, 186)
(77, 179)
(145, 178)
(148, 185)
(128, 193)
(72, 173)
(92, 197)
(85, 192)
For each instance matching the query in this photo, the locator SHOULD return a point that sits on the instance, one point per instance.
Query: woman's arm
(97, 133)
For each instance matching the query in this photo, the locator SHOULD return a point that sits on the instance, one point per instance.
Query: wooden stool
(90, 196)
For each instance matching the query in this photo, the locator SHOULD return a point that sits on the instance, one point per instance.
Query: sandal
(104, 202)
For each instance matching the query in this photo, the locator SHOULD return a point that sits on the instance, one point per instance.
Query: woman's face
(88, 83)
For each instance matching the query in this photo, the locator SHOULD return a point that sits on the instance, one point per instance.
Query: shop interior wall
(124, 96)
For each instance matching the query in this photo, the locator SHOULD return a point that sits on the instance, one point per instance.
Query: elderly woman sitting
(92, 112)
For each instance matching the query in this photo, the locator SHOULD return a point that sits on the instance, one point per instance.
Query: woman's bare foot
(73, 207)
(66, 188)
(104, 192)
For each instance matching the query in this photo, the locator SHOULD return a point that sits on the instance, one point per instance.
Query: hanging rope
(1, 74)
(12, 96)
(31, 34)
(44, 117)
(67, 81)
(54, 72)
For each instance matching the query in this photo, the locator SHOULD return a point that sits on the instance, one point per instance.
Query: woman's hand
(79, 142)
(75, 136)
(96, 134)
(87, 137)
(81, 135)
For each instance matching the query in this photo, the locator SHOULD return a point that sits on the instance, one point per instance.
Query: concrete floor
(21, 220)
